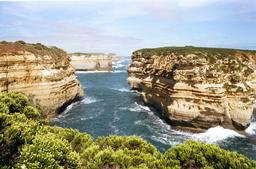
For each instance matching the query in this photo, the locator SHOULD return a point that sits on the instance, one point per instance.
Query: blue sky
(122, 26)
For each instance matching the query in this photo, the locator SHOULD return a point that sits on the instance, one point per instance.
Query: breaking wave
(121, 89)
(251, 130)
(89, 100)
(88, 72)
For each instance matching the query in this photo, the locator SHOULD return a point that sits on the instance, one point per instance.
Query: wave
(166, 139)
(121, 89)
(251, 130)
(215, 135)
(142, 107)
(119, 64)
(87, 72)
(137, 108)
(89, 100)
(119, 71)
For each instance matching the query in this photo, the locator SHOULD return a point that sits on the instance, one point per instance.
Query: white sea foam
(137, 108)
(215, 134)
(119, 64)
(142, 107)
(68, 108)
(86, 72)
(251, 130)
(89, 100)
(166, 139)
(121, 89)
(90, 117)
(119, 71)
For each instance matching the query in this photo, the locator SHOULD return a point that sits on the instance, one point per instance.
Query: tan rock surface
(44, 74)
(91, 61)
(197, 87)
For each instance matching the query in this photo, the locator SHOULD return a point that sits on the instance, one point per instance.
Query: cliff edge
(42, 73)
(197, 88)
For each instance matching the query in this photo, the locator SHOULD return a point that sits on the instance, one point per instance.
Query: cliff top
(219, 52)
(19, 47)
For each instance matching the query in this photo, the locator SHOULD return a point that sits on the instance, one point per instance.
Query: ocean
(111, 108)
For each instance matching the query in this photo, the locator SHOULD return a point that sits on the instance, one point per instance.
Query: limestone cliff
(44, 74)
(92, 61)
(197, 87)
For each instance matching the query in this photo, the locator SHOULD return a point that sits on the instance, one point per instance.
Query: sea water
(111, 108)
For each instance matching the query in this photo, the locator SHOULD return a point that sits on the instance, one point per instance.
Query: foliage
(122, 152)
(31, 112)
(27, 141)
(201, 155)
(15, 101)
(48, 151)
(191, 49)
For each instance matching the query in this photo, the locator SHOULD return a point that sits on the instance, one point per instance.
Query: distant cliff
(44, 74)
(92, 61)
(197, 87)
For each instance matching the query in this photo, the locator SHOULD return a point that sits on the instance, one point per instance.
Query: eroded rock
(44, 74)
(197, 87)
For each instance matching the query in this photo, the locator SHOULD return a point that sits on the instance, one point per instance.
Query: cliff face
(197, 87)
(91, 61)
(44, 74)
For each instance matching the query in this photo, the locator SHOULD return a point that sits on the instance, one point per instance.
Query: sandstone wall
(91, 62)
(197, 88)
(41, 73)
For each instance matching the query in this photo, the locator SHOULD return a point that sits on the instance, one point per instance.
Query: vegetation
(38, 49)
(221, 52)
(28, 141)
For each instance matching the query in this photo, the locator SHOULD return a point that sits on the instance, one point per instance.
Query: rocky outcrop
(197, 88)
(43, 74)
(92, 61)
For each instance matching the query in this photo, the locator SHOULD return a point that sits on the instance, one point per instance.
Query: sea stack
(42, 73)
(197, 88)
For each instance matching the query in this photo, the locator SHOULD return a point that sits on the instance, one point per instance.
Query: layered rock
(197, 88)
(43, 74)
(92, 61)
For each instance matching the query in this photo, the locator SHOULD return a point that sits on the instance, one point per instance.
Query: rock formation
(197, 88)
(92, 61)
(43, 74)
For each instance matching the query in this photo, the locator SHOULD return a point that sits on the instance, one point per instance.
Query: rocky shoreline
(42, 73)
(197, 88)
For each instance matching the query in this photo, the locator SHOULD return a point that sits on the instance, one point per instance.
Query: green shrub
(48, 151)
(200, 155)
(27, 141)
(15, 101)
(31, 112)
(122, 152)
(20, 129)
(4, 108)
(78, 141)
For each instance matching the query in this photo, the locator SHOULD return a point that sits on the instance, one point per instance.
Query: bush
(122, 152)
(200, 155)
(20, 42)
(15, 101)
(48, 151)
(31, 112)
(29, 142)
(4, 108)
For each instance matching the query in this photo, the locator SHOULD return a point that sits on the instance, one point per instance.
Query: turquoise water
(110, 108)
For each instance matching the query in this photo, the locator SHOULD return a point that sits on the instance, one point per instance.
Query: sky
(122, 26)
